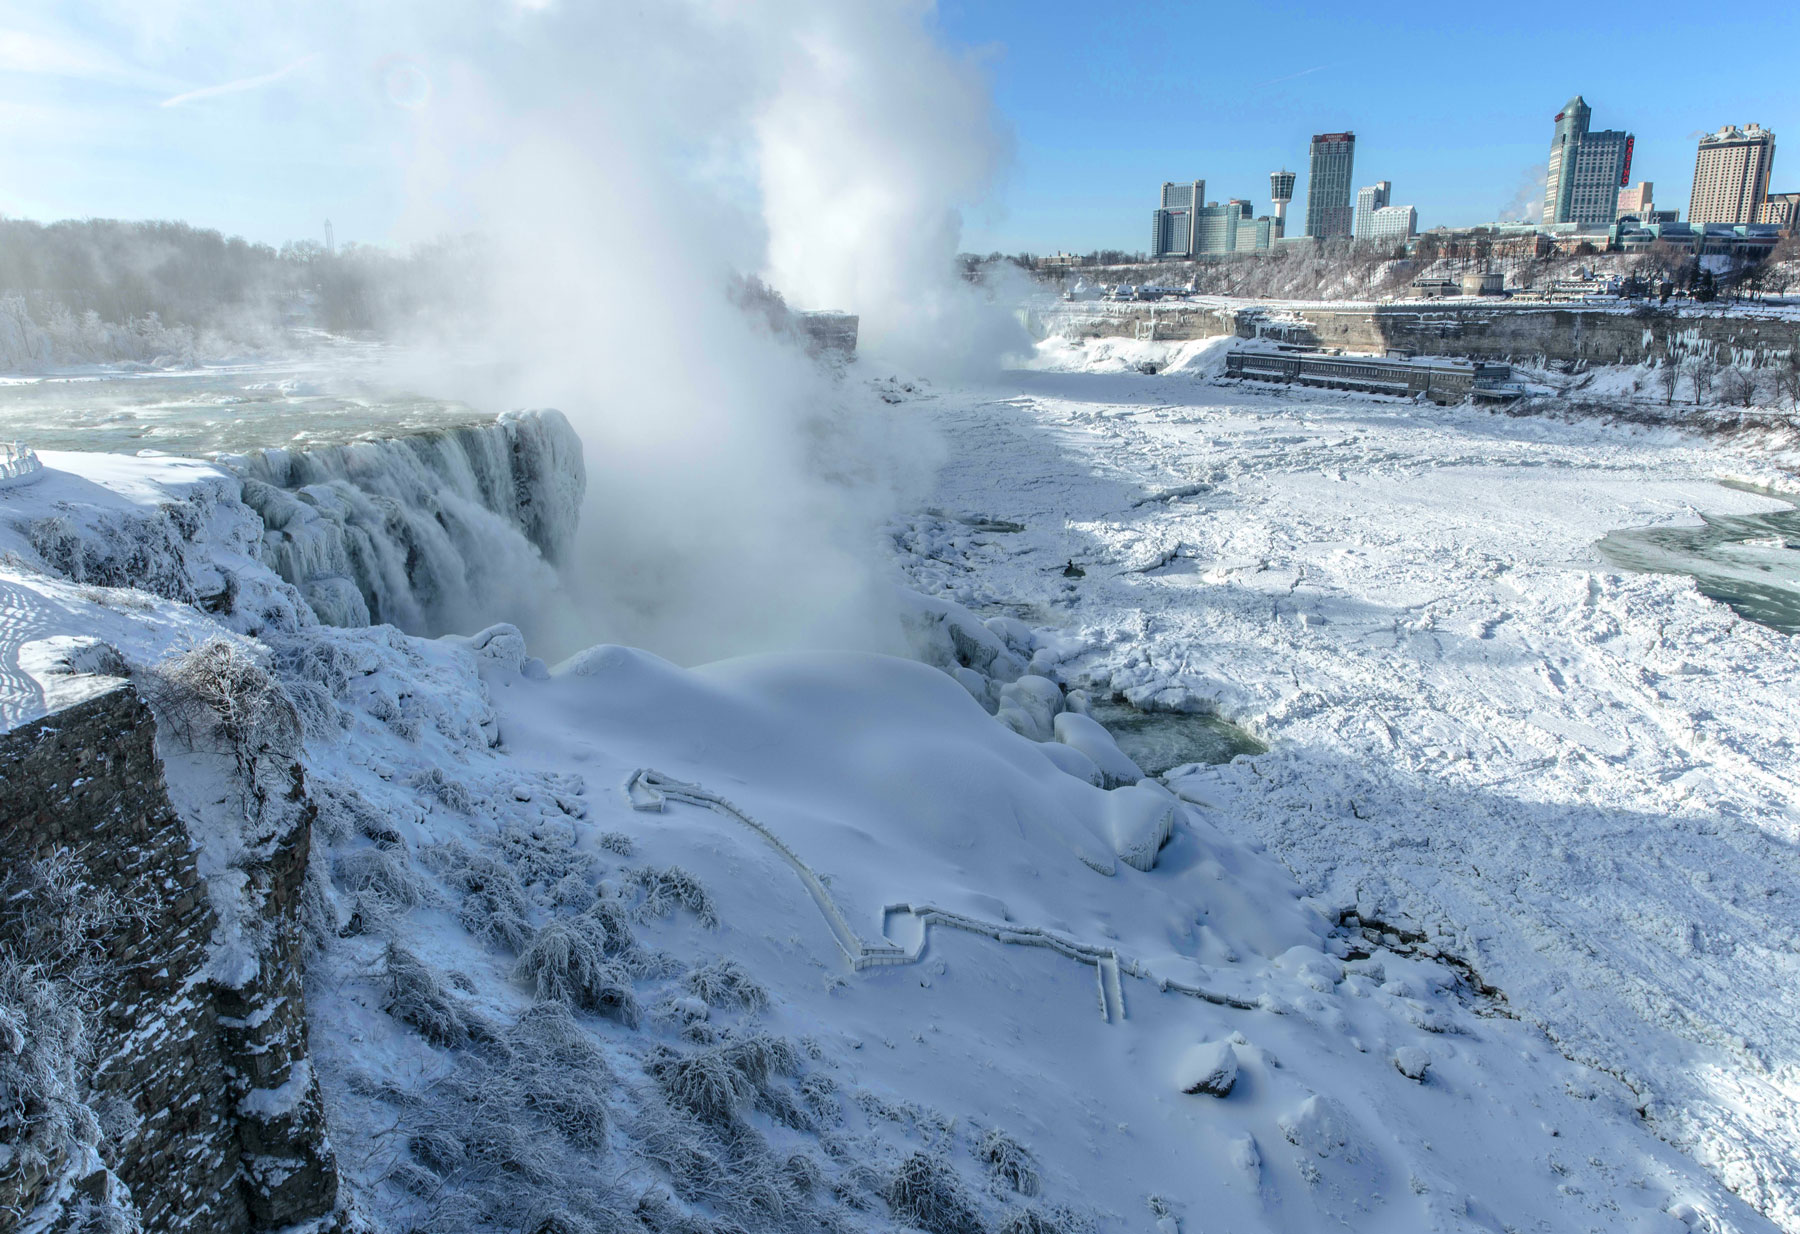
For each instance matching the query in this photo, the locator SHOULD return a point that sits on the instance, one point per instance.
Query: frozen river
(1580, 778)
(336, 396)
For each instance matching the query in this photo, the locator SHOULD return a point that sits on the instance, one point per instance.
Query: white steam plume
(625, 161)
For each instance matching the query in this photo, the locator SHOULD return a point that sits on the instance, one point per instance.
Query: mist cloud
(1527, 204)
(622, 165)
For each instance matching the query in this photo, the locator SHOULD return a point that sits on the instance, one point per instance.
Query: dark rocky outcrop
(227, 1133)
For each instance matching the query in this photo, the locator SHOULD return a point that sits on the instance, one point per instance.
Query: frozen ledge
(650, 790)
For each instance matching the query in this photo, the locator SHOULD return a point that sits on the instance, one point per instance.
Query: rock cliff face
(225, 1129)
(1522, 333)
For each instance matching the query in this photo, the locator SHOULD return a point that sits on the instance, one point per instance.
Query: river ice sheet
(1582, 780)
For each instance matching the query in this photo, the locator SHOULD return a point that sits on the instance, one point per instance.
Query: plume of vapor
(622, 165)
(1527, 204)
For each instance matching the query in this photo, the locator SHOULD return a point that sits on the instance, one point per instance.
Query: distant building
(1731, 175)
(1328, 210)
(1216, 226)
(1256, 235)
(1745, 242)
(1281, 191)
(1368, 201)
(1172, 226)
(1637, 201)
(1780, 210)
(1390, 225)
(1587, 168)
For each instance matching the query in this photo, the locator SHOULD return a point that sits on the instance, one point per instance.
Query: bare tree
(1787, 382)
(1668, 375)
(1701, 372)
(1738, 387)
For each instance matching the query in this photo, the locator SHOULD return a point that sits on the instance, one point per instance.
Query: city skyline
(1093, 107)
(1082, 171)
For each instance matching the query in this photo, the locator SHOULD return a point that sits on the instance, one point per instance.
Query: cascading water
(436, 531)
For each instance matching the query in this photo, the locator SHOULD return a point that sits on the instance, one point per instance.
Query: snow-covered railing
(18, 464)
(650, 790)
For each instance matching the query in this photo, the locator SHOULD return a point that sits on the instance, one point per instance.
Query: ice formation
(421, 531)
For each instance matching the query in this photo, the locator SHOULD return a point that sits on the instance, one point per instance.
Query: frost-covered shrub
(819, 1092)
(415, 996)
(803, 1173)
(927, 1192)
(542, 853)
(760, 1056)
(405, 726)
(1033, 1221)
(560, 1073)
(707, 1084)
(381, 876)
(494, 908)
(567, 963)
(54, 969)
(319, 918)
(1008, 1161)
(509, 1138)
(670, 888)
(216, 696)
(452, 793)
(342, 810)
(724, 983)
(142, 551)
(617, 843)
(320, 718)
(317, 660)
(780, 1105)
(44, 1051)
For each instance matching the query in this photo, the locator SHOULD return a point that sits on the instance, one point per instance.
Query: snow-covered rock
(1210, 1068)
(1411, 1062)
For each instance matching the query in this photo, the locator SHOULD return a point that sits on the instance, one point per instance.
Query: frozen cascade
(427, 531)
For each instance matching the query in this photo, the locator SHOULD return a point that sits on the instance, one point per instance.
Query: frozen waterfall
(436, 531)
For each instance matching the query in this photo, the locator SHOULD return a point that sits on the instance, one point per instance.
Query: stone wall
(212, 1151)
(1519, 333)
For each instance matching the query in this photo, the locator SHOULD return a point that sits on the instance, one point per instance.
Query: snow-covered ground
(1583, 782)
(969, 988)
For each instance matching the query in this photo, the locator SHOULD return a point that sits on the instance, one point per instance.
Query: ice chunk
(1141, 822)
(501, 643)
(1038, 697)
(1074, 762)
(1092, 739)
(945, 635)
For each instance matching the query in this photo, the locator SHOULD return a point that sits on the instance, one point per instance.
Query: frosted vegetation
(1347, 271)
(162, 294)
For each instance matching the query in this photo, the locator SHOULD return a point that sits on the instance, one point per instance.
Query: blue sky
(1451, 102)
(109, 109)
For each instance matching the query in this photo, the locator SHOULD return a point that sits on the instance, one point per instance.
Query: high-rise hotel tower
(1731, 175)
(1587, 168)
(1328, 209)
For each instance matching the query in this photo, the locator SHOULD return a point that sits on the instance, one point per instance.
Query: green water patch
(1158, 741)
(1748, 561)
